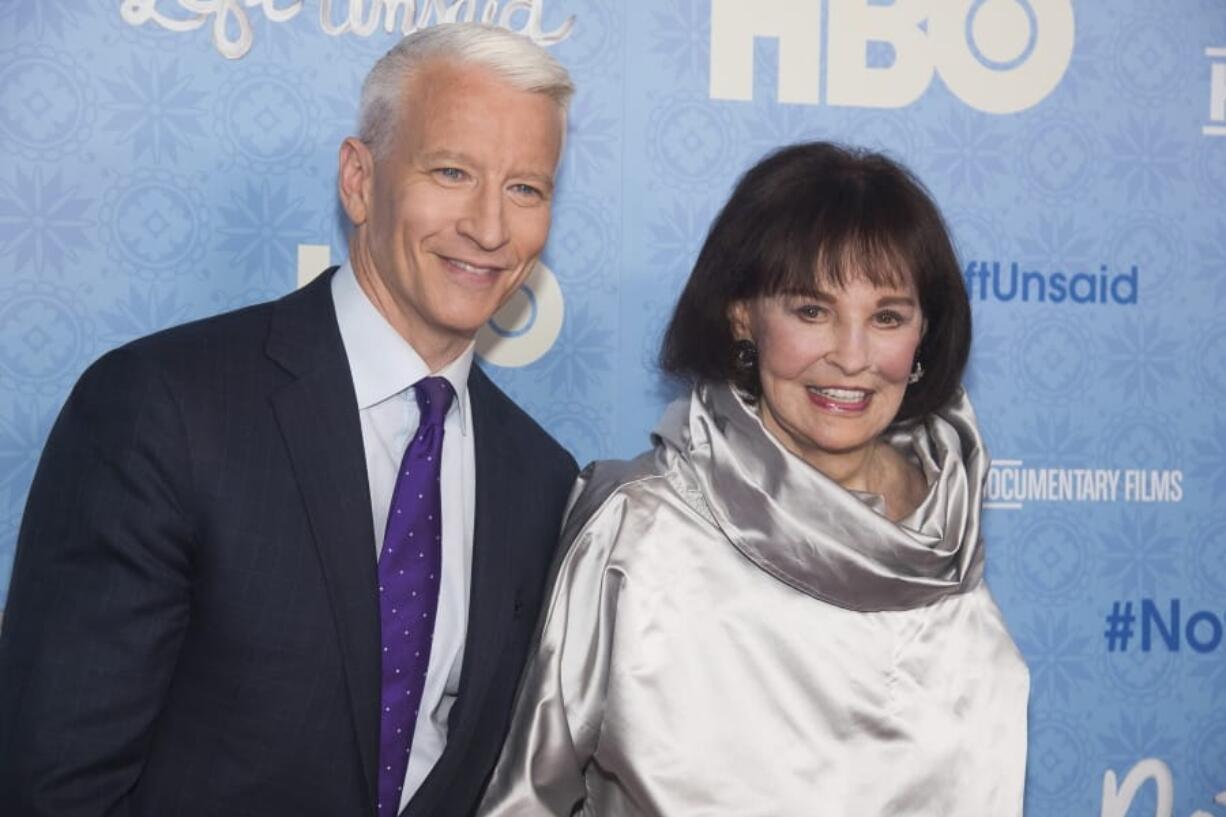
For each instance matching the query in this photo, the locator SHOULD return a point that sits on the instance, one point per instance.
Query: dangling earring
(745, 355)
(916, 373)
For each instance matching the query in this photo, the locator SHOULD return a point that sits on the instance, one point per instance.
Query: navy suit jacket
(193, 625)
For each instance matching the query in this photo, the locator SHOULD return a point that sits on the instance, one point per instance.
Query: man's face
(452, 218)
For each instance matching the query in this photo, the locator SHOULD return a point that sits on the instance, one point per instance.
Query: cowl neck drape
(833, 544)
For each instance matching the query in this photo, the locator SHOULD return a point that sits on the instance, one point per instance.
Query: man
(287, 561)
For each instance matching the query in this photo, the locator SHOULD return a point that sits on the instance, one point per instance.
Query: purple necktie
(409, 568)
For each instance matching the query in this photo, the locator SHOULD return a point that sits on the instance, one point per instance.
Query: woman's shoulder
(602, 480)
(612, 496)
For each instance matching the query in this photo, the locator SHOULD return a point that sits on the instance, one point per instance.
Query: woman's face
(833, 366)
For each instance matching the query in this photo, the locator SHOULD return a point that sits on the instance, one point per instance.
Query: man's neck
(436, 350)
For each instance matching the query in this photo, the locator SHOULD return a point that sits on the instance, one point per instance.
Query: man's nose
(484, 221)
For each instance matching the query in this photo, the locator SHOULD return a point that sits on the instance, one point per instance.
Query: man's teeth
(469, 267)
(843, 395)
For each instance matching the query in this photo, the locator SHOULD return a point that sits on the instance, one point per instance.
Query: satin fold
(732, 633)
(795, 523)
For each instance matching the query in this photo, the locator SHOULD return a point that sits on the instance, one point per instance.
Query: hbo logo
(999, 56)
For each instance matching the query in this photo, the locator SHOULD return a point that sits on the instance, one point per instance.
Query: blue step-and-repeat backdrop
(167, 159)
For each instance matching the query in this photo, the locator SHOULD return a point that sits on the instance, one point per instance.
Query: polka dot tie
(409, 569)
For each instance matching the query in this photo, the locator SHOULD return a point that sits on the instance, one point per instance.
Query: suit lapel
(493, 579)
(318, 416)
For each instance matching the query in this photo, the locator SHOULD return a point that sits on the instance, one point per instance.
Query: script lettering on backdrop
(233, 37)
(1118, 795)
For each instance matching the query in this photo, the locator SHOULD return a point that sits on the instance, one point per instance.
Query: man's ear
(738, 320)
(355, 179)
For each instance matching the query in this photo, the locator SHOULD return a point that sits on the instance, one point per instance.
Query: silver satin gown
(732, 633)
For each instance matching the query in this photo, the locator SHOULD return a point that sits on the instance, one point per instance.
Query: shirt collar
(381, 362)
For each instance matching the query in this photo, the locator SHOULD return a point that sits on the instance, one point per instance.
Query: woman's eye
(810, 312)
(890, 319)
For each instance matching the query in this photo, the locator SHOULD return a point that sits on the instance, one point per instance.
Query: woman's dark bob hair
(814, 216)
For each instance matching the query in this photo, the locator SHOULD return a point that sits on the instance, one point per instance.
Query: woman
(779, 610)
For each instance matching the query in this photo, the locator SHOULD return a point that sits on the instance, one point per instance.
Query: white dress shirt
(384, 368)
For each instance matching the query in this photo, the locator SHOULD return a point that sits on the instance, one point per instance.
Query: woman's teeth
(842, 395)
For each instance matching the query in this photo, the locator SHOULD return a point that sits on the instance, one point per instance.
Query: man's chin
(468, 311)
(464, 328)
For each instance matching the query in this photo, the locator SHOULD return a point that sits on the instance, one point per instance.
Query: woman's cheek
(790, 354)
(897, 359)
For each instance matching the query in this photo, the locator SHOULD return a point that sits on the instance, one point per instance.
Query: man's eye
(451, 174)
(526, 190)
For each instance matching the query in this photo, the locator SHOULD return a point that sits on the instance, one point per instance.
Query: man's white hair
(512, 57)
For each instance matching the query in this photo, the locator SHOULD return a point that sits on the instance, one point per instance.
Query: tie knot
(433, 399)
